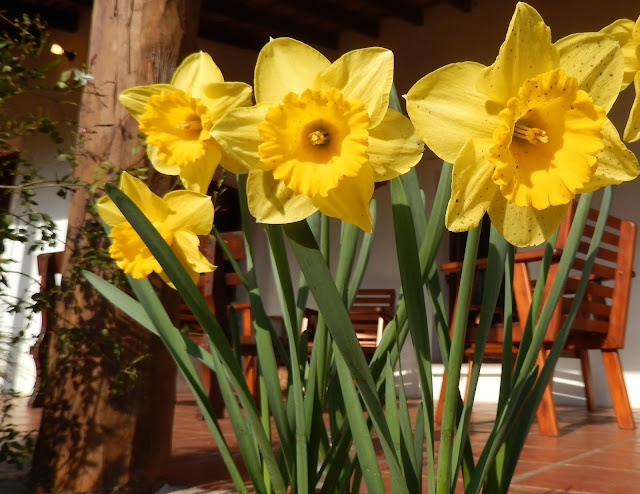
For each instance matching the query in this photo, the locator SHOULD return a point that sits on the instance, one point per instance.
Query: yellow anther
(533, 135)
(319, 137)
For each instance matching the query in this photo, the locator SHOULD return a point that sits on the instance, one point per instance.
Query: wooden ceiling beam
(266, 20)
(330, 12)
(406, 11)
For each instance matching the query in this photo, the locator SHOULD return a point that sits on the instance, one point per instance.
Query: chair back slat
(603, 253)
(603, 310)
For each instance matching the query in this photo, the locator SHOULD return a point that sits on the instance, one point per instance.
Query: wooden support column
(92, 439)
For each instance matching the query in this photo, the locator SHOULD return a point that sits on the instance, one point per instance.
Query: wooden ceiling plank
(274, 25)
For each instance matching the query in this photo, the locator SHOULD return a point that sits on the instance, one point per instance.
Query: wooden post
(92, 439)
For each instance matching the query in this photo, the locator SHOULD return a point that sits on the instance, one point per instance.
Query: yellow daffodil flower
(320, 135)
(627, 33)
(179, 217)
(528, 133)
(176, 119)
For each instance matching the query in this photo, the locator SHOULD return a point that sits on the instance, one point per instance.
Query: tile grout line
(526, 475)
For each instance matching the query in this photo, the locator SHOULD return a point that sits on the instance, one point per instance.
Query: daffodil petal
(632, 129)
(134, 99)
(285, 65)
(622, 31)
(220, 97)
(525, 226)
(447, 110)
(190, 211)
(364, 75)
(195, 72)
(596, 61)
(472, 189)
(189, 244)
(109, 212)
(197, 176)
(185, 247)
(270, 201)
(349, 201)
(394, 146)
(158, 164)
(153, 207)
(237, 133)
(616, 164)
(526, 52)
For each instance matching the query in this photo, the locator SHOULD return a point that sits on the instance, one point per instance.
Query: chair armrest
(527, 256)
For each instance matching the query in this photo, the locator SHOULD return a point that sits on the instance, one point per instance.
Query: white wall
(18, 371)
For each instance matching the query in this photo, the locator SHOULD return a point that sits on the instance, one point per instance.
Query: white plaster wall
(17, 372)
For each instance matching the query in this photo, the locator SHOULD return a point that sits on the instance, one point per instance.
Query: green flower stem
(363, 256)
(564, 267)
(266, 338)
(172, 341)
(285, 290)
(507, 343)
(447, 429)
(491, 289)
(536, 302)
(329, 302)
(411, 279)
(428, 250)
(519, 435)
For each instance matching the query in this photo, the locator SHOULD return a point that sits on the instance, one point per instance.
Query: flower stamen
(319, 137)
(533, 135)
(313, 140)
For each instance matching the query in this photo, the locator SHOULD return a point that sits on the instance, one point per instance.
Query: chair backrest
(602, 317)
(371, 310)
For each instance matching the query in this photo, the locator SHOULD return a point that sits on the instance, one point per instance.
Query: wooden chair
(372, 309)
(370, 312)
(601, 320)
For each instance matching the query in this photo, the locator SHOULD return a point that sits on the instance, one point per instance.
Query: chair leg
(586, 377)
(546, 413)
(440, 406)
(251, 375)
(618, 390)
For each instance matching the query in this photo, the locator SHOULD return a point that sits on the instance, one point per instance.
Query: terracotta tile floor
(591, 456)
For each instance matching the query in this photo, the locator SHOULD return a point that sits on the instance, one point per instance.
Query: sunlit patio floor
(591, 455)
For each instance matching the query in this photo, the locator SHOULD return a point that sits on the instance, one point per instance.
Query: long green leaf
(330, 304)
(546, 374)
(411, 279)
(175, 345)
(266, 339)
(284, 287)
(449, 416)
(491, 289)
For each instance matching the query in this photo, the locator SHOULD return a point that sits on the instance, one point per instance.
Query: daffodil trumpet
(528, 133)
